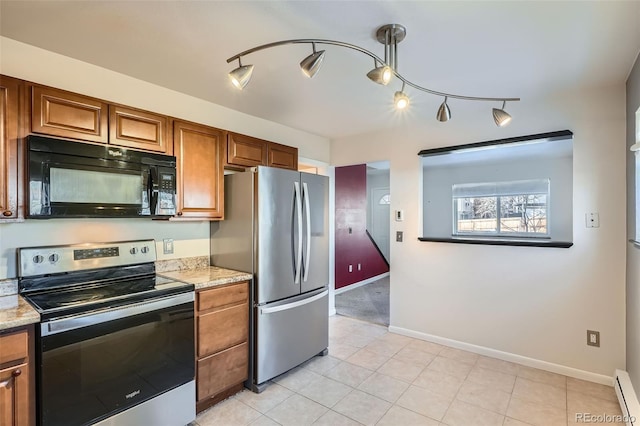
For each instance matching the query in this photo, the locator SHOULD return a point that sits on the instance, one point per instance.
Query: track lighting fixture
(384, 69)
(500, 116)
(444, 113)
(400, 99)
(380, 74)
(241, 75)
(311, 64)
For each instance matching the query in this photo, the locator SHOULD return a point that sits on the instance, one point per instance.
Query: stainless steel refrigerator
(276, 227)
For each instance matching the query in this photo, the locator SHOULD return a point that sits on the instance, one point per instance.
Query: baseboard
(627, 398)
(507, 356)
(360, 283)
(332, 311)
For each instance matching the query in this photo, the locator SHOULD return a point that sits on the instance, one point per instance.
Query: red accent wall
(353, 246)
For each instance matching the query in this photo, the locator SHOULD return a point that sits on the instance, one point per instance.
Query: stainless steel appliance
(74, 179)
(116, 342)
(276, 227)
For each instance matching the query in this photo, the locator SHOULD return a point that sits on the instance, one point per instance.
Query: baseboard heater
(627, 398)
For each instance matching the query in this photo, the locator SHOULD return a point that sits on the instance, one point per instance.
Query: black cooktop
(59, 302)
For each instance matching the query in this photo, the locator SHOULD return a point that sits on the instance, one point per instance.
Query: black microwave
(75, 179)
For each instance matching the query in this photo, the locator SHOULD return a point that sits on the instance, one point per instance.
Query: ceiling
(496, 49)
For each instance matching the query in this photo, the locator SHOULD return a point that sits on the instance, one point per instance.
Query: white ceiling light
(389, 35)
(241, 75)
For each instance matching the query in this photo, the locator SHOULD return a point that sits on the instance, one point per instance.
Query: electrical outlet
(593, 338)
(592, 220)
(167, 246)
(399, 236)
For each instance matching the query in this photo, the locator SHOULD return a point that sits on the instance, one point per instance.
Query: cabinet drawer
(222, 329)
(222, 370)
(223, 296)
(14, 346)
(59, 113)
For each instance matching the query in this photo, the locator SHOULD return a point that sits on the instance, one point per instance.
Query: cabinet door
(138, 129)
(199, 154)
(285, 157)
(10, 89)
(246, 151)
(59, 113)
(222, 370)
(14, 396)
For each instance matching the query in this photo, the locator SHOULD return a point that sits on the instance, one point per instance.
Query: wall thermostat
(399, 214)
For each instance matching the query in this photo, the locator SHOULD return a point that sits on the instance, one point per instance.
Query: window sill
(501, 242)
(635, 243)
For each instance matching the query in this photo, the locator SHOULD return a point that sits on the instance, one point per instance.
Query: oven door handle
(66, 324)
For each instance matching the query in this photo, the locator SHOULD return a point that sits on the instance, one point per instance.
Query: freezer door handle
(298, 266)
(305, 195)
(264, 311)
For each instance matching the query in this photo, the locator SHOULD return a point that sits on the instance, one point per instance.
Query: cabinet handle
(7, 213)
(14, 374)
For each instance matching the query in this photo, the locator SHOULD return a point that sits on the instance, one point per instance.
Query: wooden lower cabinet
(222, 342)
(17, 403)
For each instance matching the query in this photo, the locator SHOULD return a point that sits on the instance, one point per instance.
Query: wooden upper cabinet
(246, 151)
(199, 153)
(134, 128)
(283, 156)
(59, 113)
(10, 95)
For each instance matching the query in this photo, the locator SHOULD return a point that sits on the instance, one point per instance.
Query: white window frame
(498, 190)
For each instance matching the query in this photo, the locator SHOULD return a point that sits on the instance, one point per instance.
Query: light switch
(167, 246)
(399, 235)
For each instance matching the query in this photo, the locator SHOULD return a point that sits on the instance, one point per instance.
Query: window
(517, 208)
(636, 149)
(385, 199)
(516, 191)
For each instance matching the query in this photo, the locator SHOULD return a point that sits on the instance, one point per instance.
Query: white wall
(191, 238)
(438, 181)
(530, 301)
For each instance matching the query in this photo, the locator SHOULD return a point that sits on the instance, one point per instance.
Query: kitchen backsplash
(182, 264)
(8, 287)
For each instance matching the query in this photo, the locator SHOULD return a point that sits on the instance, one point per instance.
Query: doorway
(366, 295)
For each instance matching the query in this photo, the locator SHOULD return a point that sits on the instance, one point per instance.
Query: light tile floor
(373, 377)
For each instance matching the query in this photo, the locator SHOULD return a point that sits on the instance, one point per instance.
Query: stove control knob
(54, 258)
(144, 249)
(38, 258)
(133, 250)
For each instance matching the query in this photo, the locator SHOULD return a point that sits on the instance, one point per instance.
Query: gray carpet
(367, 303)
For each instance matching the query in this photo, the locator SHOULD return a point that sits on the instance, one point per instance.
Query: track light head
(444, 113)
(381, 75)
(400, 100)
(240, 76)
(311, 64)
(500, 116)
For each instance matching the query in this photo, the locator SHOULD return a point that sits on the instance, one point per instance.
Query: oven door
(94, 366)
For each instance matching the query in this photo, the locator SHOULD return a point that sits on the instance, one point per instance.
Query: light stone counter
(15, 312)
(211, 276)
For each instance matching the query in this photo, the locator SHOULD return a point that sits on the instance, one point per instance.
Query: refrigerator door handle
(264, 311)
(298, 265)
(305, 195)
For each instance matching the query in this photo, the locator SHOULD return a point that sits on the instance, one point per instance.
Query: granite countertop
(15, 312)
(211, 276)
